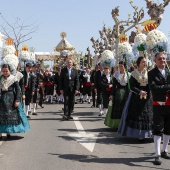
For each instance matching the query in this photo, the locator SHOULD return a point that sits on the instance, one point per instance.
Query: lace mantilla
(121, 78)
(6, 83)
(142, 78)
(19, 76)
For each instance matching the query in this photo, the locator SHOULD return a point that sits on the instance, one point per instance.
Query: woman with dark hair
(9, 102)
(137, 119)
(119, 95)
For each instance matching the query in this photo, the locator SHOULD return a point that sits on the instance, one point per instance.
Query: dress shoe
(41, 106)
(28, 117)
(165, 155)
(88, 102)
(157, 160)
(141, 140)
(70, 117)
(34, 113)
(65, 117)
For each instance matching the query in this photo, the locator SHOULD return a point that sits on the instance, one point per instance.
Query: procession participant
(59, 96)
(86, 86)
(81, 88)
(139, 115)
(159, 82)
(92, 80)
(49, 87)
(12, 61)
(119, 95)
(41, 93)
(10, 121)
(69, 86)
(29, 85)
(98, 90)
(36, 75)
(106, 85)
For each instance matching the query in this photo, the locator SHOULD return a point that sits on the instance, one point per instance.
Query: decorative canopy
(63, 44)
(45, 56)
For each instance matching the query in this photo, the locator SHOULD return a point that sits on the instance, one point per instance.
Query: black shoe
(141, 140)
(88, 102)
(92, 106)
(8, 136)
(34, 113)
(28, 117)
(41, 106)
(165, 155)
(65, 117)
(62, 109)
(157, 161)
(75, 103)
(70, 117)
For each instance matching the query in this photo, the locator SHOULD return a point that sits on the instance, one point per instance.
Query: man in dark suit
(159, 81)
(36, 75)
(69, 86)
(56, 79)
(92, 80)
(29, 85)
(98, 89)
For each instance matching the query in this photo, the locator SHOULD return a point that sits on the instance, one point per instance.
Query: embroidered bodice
(121, 78)
(141, 77)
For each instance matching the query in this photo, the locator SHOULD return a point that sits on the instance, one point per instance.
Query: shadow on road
(94, 159)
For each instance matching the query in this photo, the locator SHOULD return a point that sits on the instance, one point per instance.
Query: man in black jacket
(92, 80)
(98, 89)
(159, 81)
(36, 75)
(69, 86)
(29, 85)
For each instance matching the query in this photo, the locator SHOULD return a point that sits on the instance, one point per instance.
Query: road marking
(85, 139)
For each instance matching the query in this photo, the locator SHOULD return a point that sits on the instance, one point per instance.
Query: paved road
(81, 144)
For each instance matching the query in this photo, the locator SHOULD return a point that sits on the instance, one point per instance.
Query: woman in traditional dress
(10, 111)
(119, 95)
(137, 117)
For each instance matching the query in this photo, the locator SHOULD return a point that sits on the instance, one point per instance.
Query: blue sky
(80, 19)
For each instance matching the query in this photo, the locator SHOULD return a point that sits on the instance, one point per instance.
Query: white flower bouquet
(11, 59)
(124, 48)
(24, 55)
(156, 38)
(107, 54)
(9, 49)
(32, 56)
(140, 42)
